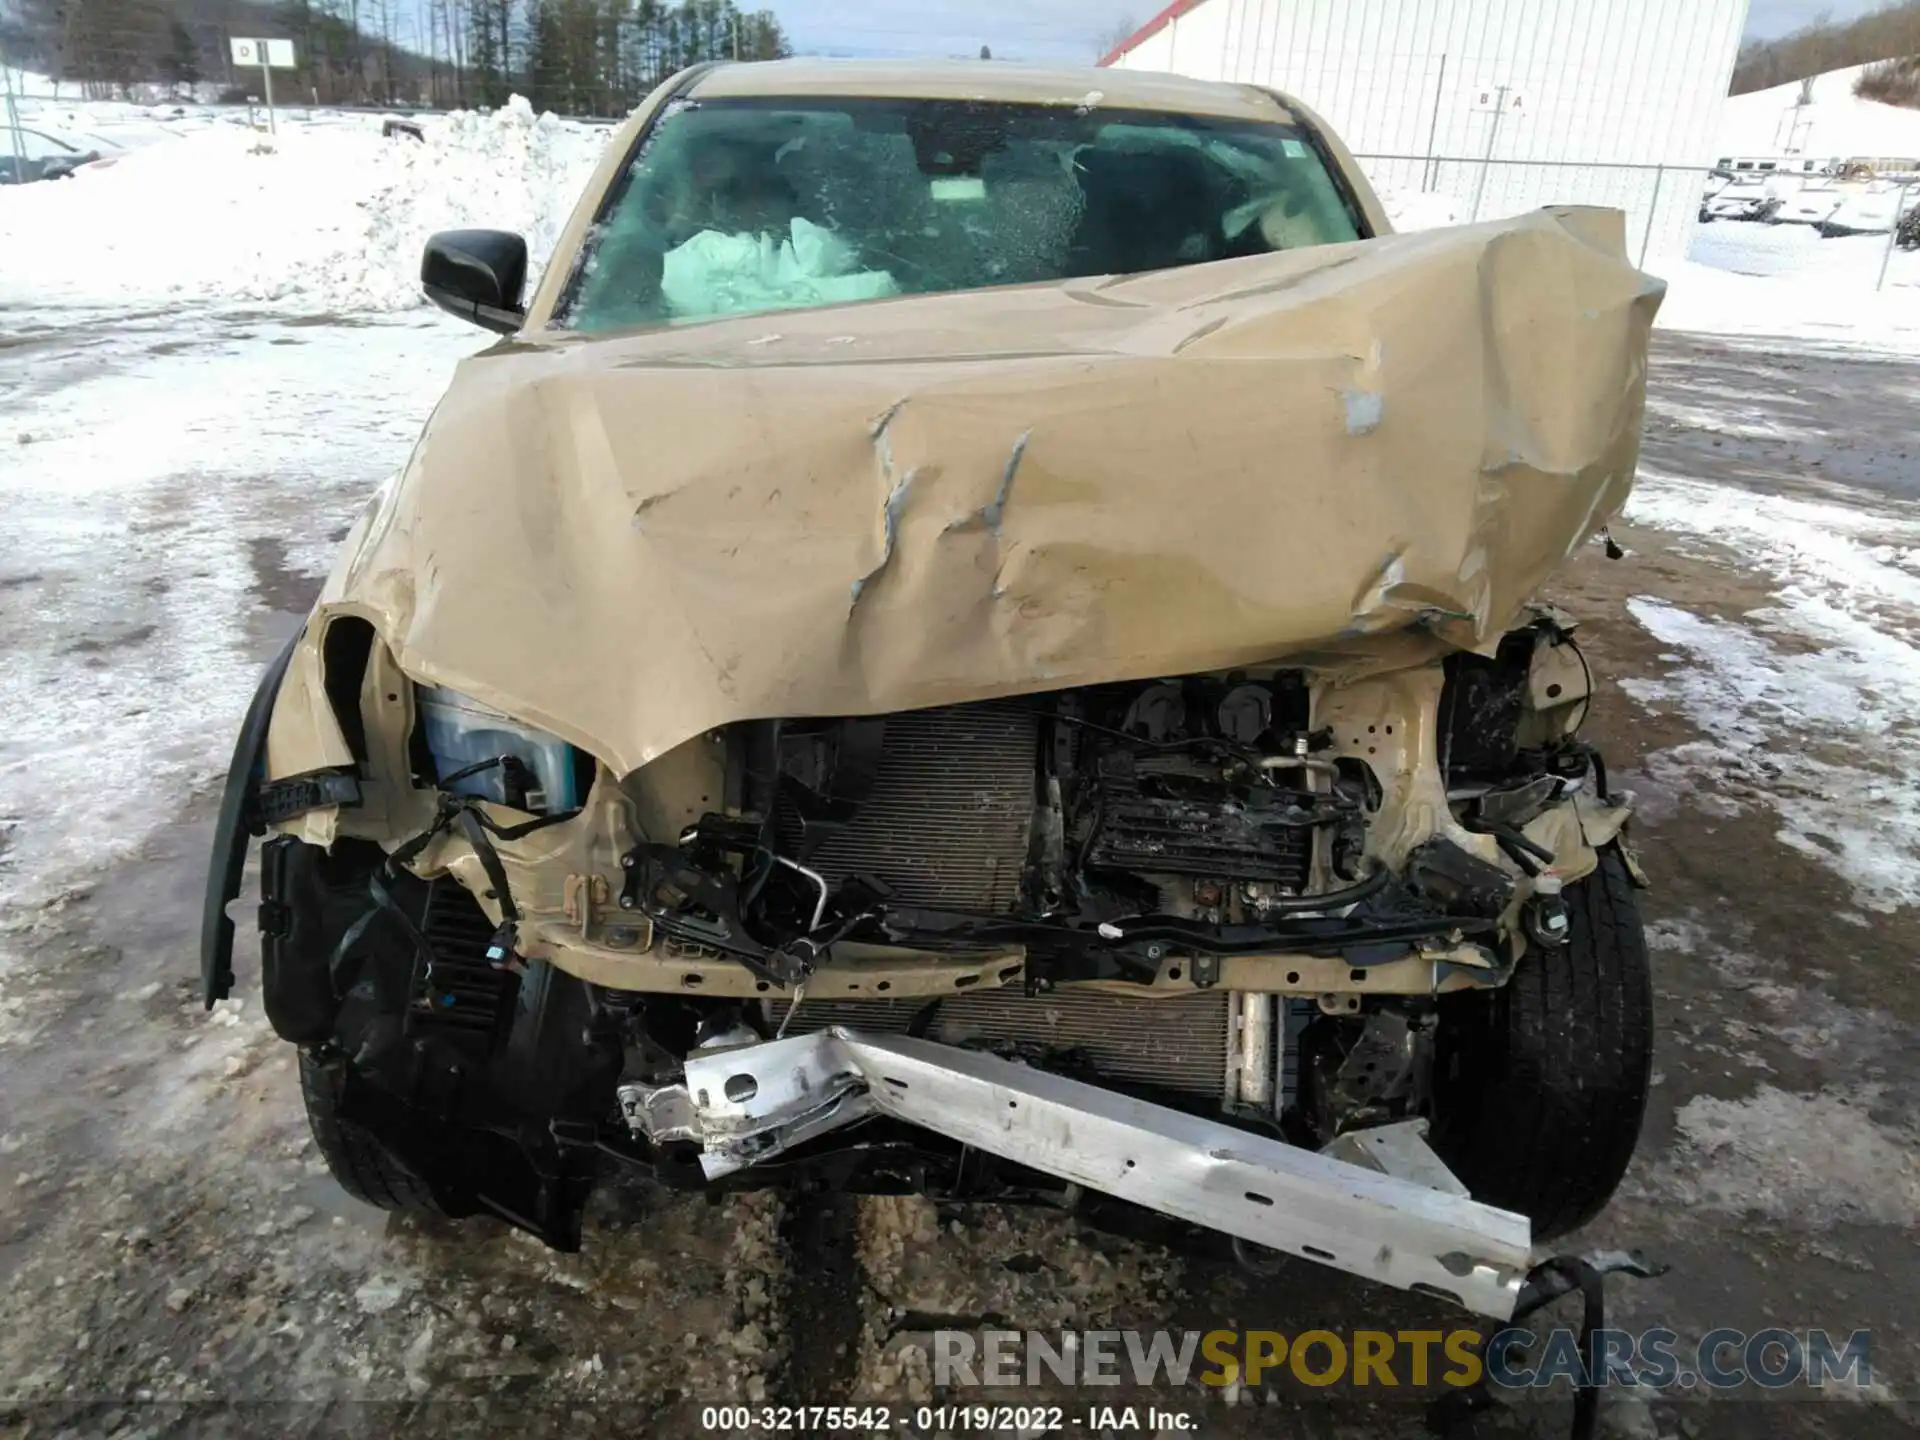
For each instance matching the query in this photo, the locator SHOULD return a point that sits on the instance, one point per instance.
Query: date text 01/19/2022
(1027, 1419)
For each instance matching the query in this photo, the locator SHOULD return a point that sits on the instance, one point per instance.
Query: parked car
(1813, 205)
(1741, 198)
(978, 641)
(36, 154)
(1872, 211)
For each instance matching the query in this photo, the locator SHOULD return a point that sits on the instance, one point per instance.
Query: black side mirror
(477, 275)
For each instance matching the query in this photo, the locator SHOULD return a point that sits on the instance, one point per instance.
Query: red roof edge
(1153, 27)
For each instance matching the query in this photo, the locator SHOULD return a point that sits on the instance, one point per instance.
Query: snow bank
(328, 216)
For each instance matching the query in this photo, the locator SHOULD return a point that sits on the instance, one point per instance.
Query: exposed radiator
(947, 821)
(1176, 1042)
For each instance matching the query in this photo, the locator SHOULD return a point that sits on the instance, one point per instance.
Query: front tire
(1540, 1087)
(364, 1167)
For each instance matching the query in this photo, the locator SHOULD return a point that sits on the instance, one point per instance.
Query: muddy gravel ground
(176, 1260)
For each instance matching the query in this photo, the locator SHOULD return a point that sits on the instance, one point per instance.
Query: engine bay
(1100, 829)
(1243, 894)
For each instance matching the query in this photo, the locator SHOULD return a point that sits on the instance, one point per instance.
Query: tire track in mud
(819, 1233)
(976, 1268)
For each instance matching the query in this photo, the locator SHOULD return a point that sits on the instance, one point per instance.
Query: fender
(234, 830)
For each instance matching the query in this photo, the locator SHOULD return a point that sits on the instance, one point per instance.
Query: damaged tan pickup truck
(977, 640)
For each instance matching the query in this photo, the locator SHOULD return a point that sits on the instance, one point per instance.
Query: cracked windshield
(733, 208)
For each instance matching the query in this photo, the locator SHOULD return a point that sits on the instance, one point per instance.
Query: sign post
(1893, 235)
(1496, 100)
(269, 55)
(13, 123)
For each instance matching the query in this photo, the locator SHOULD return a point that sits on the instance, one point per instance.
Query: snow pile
(1837, 125)
(325, 217)
(1847, 261)
(501, 171)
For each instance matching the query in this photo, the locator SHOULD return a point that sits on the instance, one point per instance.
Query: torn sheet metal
(1307, 456)
(753, 1102)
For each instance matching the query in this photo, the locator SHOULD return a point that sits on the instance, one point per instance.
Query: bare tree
(1816, 48)
(1892, 82)
(1113, 37)
(576, 56)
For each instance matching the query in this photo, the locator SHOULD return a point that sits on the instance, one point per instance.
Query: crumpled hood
(631, 539)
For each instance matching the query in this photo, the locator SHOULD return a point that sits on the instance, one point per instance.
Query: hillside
(1837, 124)
(1826, 46)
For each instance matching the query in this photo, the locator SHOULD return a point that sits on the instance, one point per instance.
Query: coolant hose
(1328, 899)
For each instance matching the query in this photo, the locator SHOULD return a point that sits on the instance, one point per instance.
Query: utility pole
(1428, 172)
(1493, 130)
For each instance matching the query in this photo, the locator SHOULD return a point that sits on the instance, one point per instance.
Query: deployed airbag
(715, 273)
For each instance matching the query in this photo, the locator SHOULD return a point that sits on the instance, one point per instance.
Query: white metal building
(1488, 101)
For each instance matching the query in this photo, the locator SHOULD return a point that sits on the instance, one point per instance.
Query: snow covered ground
(1833, 660)
(42, 105)
(1794, 472)
(1837, 125)
(1747, 278)
(144, 470)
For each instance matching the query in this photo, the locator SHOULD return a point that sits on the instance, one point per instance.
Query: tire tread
(364, 1167)
(1547, 1108)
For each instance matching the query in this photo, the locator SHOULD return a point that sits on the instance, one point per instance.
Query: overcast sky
(1069, 31)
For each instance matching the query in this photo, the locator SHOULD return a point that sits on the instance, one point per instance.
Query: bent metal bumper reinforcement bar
(749, 1103)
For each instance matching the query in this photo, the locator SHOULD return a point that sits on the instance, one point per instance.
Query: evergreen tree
(181, 65)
